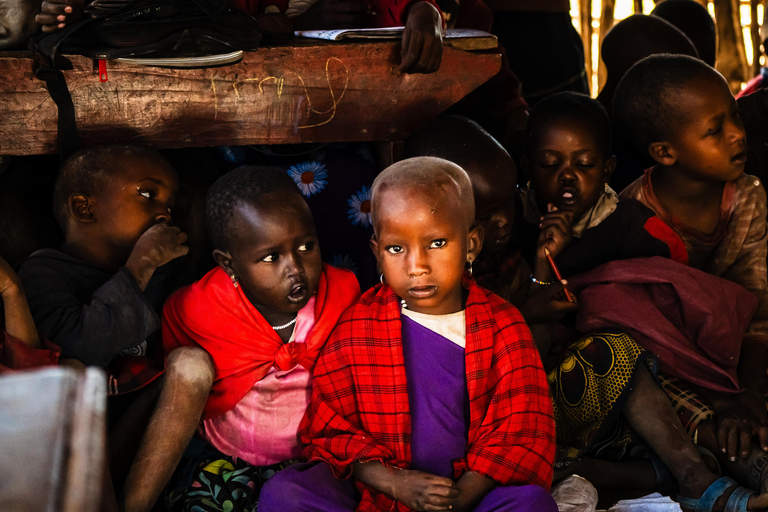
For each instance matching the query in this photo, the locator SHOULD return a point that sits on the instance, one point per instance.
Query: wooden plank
(315, 92)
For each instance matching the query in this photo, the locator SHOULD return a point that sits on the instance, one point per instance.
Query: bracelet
(542, 283)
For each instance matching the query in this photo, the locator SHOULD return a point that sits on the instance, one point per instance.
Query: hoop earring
(233, 277)
(470, 268)
(381, 278)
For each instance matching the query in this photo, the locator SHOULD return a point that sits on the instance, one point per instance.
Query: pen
(557, 273)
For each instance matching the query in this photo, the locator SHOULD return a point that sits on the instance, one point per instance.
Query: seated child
(612, 399)
(97, 298)
(430, 394)
(263, 315)
(681, 112)
(568, 160)
(630, 40)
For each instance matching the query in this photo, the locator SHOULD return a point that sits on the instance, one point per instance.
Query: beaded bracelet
(542, 283)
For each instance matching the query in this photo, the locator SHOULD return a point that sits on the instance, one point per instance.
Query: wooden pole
(731, 54)
(754, 32)
(606, 23)
(638, 6)
(585, 23)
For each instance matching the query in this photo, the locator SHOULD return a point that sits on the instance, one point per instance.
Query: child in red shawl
(263, 315)
(430, 394)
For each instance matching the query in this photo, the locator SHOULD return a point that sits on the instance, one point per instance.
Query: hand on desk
(422, 43)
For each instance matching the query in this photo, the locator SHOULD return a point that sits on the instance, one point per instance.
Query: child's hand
(556, 231)
(333, 14)
(9, 281)
(56, 14)
(548, 305)
(738, 420)
(423, 491)
(157, 246)
(422, 43)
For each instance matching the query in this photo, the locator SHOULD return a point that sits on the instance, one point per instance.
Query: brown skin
(17, 23)
(708, 150)
(275, 257)
(56, 14)
(568, 167)
(422, 248)
(493, 187)
(422, 43)
(18, 318)
(129, 222)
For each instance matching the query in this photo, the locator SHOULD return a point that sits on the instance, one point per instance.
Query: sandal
(737, 501)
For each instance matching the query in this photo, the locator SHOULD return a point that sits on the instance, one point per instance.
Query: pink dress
(262, 428)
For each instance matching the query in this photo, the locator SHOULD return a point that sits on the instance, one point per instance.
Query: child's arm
(416, 489)
(18, 319)
(92, 329)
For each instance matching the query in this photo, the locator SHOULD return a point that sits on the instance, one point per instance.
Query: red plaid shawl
(359, 409)
(219, 318)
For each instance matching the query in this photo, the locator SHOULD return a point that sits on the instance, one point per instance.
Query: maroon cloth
(17, 355)
(693, 321)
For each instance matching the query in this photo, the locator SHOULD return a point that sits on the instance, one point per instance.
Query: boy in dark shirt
(98, 297)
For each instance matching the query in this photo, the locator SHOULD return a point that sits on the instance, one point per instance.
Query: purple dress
(439, 403)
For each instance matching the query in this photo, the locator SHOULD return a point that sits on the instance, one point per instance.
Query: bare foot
(57, 14)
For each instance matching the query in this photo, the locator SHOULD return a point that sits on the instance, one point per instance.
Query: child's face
(275, 256)
(495, 204)
(17, 23)
(422, 244)
(568, 167)
(709, 142)
(138, 197)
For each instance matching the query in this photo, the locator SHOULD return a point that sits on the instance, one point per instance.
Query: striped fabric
(359, 409)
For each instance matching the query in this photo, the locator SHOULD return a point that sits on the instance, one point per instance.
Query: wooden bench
(312, 91)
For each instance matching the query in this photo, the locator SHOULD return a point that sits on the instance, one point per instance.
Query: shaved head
(430, 176)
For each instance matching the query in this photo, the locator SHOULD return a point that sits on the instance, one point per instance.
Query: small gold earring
(233, 277)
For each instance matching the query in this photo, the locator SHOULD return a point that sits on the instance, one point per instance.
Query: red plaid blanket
(359, 410)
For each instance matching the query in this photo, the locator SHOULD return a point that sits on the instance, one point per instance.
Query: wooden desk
(309, 92)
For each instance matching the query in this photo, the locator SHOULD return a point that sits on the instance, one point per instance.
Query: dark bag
(149, 28)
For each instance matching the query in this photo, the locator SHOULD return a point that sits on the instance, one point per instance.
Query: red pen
(557, 273)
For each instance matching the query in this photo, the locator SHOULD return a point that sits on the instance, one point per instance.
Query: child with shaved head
(430, 394)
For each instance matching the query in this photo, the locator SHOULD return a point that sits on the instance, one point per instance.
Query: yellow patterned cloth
(589, 386)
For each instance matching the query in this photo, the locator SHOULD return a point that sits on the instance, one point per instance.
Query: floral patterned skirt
(589, 386)
(207, 480)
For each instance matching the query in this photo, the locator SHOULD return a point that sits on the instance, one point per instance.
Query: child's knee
(192, 366)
